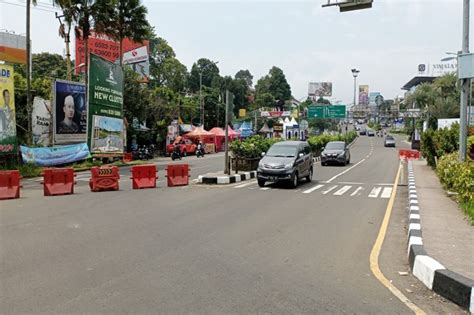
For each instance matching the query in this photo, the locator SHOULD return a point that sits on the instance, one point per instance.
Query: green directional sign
(327, 111)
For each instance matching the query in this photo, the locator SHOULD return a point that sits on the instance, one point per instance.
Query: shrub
(317, 143)
(251, 147)
(435, 144)
(457, 176)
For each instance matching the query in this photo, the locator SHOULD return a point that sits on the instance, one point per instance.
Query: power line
(40, 8)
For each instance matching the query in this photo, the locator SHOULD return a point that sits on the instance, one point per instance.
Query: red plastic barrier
(409, 154)
(144, 176)
(178, 174)
(104, 178)
(127, 157)
(9, 184)
(58, 181)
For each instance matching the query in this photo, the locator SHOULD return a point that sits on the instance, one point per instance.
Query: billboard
(8, 144)
(69, 112)
(12, 48)
(320, 89)
(372, 96)
(363, 94)
(41, 122)
(105, 100)
(105, 47)
(108, 135)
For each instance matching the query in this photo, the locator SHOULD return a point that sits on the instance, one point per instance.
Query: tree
(246, 76)
(127, 19)
(273, 83)
(322, 100)
(209, 71)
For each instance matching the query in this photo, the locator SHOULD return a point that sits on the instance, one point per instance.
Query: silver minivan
(286, 161)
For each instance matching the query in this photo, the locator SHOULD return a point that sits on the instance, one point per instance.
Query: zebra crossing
(373, 191)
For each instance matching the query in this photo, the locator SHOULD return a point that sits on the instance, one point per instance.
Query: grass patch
(468, 208)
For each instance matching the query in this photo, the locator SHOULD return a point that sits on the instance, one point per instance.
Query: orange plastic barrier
(9, 184)
(104, 178)
(144, 176)
(58, 181)
(127, 157)
(409, 154)
(178, 174)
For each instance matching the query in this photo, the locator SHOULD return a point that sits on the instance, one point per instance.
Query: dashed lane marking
(356, 192)
(308, 191)
(342, 191)
(329, 190)
(386, 193)
(375, 192)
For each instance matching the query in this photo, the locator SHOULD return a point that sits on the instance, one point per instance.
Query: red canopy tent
(232, 133)
(200, 134)
(219, 133)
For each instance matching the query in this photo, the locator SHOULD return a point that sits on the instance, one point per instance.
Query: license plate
(272, 178)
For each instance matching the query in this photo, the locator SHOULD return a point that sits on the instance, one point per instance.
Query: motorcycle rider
(177, 151)
(200, 147)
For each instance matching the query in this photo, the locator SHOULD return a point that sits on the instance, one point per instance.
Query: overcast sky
(310, 43)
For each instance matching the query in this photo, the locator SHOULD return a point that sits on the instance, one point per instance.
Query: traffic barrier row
(61, 181)
(408, 154)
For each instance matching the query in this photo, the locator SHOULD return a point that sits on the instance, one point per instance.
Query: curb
(434, 275)
(224, 180)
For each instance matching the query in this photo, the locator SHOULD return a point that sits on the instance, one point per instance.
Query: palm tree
(128, 20)
(70, 9)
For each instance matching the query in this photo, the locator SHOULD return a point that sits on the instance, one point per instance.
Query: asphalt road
(203, 249)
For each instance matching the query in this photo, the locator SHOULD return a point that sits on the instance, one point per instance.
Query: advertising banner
(137, 59)
(372, 96)
(363, 94)
(275, 113)
(105, 100)
(42, 122)
(69, 112)
(320, 89)
(52, 156)
(108, 135)
(105, 47)
(12, 48)
(8, 143)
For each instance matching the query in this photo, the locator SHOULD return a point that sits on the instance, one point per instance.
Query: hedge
(317, 143)
(436, 143)
(251, 147)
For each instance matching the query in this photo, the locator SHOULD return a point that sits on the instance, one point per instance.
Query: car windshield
(282, 151)
(389, 138)
(335, 146)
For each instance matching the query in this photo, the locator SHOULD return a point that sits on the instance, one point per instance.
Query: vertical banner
(105, 102)
(69, 112)
(363, 94)
(42, 122)
(8, 143)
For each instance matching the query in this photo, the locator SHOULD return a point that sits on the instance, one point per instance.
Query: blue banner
(57, 155)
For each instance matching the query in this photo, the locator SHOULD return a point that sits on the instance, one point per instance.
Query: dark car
(370, 133)
(362, 131)
(286, 161)
(336, 152)
(389, 141)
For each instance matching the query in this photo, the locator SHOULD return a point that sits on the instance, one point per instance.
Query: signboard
(41, 122)
(8, 144)
(372, 96)
(379, 100)
(12, 48)
(138, 60)
(327, 111)
(466, 66)
(275, 113)
(242, 112)
(447, 123)
(320, 89)
(105, 47)
(69, 112)
(363, 94)
(437, 69)
(105, 100)
(277, 127)
(57, 155)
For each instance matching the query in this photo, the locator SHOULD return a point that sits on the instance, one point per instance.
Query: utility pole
(28, 71)
(201, 105)
(465, 86)
(226, 143)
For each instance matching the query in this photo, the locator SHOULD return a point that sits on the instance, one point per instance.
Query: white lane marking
(329, 190)
(383, 184)
(387, 191)
(308, 191)
(265, 188)
(375, 192)
(336, 176)
(246, 184)
(356, 192)
(342, 191)
(350, 183)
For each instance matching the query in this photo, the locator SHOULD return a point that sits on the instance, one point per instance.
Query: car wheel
(323, 164)
(309, 178)
(294, 180)
(261, 182)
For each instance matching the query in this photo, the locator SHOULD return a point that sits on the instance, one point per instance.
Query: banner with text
(41, 121)
(8, 143)
(105, 92)
(52, 156)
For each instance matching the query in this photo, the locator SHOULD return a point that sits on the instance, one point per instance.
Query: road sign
(327, 111)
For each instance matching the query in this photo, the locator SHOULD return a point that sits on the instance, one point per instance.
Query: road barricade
(408, 154)
(58, 181)
(144, 176)
(104, 178)
(127, 157)
(178, 174)
(10, 184)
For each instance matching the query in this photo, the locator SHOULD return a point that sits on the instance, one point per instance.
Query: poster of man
(7, 111)
(319, 89)
(363, 94)
(70, 112)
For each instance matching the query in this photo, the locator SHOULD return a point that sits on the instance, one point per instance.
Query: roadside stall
(219, 139)
(199, 134)
(265, 131)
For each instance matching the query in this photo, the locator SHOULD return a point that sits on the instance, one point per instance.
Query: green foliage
(435, 144)
(317, 143)
(468, 208)
(457, 176)
(251, 147)
(275, 84)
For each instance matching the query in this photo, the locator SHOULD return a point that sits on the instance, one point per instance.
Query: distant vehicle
(389, 141)
(336, 152)
(370, 133)
(185, 145)
(286, 161)
(362, 131)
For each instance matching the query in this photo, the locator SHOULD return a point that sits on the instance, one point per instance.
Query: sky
(308, 42)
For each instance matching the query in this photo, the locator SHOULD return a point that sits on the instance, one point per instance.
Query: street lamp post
(201, 103)
(465, 87)
(355, 72)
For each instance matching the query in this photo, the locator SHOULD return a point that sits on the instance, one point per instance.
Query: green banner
(327, 111)
(8, 143)
(105, 98)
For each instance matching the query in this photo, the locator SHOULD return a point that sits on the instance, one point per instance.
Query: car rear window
(335, 146)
